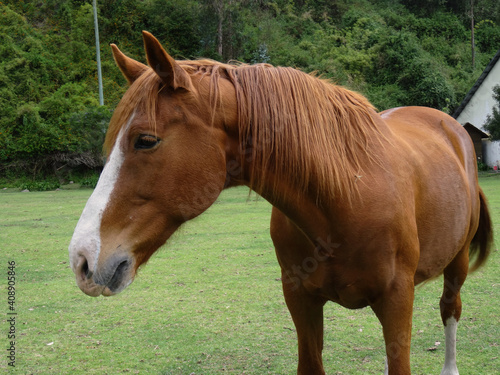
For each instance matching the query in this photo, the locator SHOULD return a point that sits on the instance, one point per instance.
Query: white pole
(98, 50)
(472, 34)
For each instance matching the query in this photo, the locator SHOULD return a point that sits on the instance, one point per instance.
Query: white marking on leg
(87, 237)
(450, 359)
(386, 371)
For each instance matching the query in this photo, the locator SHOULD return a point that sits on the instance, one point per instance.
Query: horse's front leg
(394, 309)
(307, 315)
(306, 309)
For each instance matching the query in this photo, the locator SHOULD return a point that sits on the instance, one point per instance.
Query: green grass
(208, 303)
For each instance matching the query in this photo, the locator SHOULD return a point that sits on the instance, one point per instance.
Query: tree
(492, 124)
(397, 52)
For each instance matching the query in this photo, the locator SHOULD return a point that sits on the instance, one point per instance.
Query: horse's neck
(314, 213)
(299, 206)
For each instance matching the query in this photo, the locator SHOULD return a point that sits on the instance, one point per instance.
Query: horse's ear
(130, 68)
(164, 65)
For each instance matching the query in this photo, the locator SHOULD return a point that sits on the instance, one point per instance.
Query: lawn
(208, 303)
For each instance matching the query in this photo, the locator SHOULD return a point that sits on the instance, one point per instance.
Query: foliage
(89, 127)
(90, 181)
(492, 124)
(44, 185)
(482, 166)
(176, 22)
(397, 52)
(487, 36)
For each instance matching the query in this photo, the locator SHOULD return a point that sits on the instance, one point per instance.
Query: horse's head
(166, 164)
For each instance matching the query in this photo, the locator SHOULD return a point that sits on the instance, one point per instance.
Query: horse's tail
(483, 239)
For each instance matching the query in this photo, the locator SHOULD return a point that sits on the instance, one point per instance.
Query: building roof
(472, 129)
(476, 86)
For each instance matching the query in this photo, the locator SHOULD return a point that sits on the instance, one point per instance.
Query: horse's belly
(442, 235)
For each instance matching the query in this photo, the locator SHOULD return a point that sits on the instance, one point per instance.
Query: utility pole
(98, 51)
(473, 42)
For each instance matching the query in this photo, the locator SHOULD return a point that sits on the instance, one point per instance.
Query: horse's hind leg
(451, 306)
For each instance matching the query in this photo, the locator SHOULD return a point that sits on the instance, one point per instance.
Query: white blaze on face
(87, 237)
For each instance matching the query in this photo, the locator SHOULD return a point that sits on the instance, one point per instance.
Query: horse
(366, 205)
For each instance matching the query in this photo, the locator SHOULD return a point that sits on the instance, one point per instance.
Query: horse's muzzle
(109, 278)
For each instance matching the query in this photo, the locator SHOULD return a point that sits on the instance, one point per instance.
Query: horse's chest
(352, 290)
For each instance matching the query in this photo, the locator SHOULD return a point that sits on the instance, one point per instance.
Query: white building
(478, 104)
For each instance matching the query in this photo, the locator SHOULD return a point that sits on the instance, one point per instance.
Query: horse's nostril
(85, 269)
(85, 272)
(122, 267)
(118, 275)
(110, 275)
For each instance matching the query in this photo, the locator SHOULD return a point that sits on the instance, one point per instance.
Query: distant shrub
(90, 181)
(44, 185)
(492, 124)
(482, 166)
(487, 36)
(89, 127)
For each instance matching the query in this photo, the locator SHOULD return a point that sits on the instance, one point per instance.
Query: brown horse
(366, 205)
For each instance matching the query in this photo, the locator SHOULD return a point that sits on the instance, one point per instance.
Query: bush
(388, 96)
(29, 136)
(403, 61)
(487, 36)
(90, 181)
(426, 85)
(492, 124)
(482, 167)
(44, 185)
(175, 22)
(89, 129)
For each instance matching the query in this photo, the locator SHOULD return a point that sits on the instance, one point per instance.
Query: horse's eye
(146, 141)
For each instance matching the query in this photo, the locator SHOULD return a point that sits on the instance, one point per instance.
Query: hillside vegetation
(396, 52)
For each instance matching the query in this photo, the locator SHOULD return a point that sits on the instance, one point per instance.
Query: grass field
(208, 303)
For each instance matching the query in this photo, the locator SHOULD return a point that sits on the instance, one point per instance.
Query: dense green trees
(397, 52)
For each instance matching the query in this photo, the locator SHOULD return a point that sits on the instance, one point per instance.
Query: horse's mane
(303, 128)
(293, 126)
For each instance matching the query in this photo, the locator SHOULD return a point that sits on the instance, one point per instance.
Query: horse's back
(427, 126)
(435, 137)
(440, 164)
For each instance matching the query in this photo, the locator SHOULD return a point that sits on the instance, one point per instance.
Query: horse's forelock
(143, 94)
